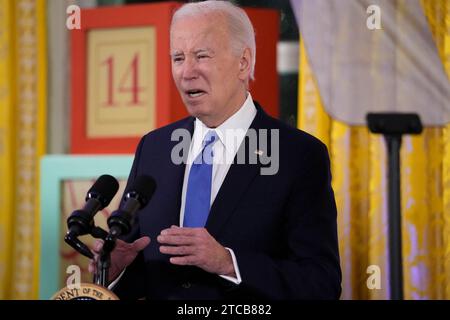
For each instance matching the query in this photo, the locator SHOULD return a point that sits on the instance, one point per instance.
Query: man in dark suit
(243, 206)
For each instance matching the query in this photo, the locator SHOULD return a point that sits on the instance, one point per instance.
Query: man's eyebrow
(196, 51)
(208, 50)
(176, 53)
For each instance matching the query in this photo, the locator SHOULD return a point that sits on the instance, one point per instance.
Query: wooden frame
(122, 17)
(54, 171)
(168, 106)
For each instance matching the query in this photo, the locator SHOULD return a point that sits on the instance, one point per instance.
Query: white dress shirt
(231, 133)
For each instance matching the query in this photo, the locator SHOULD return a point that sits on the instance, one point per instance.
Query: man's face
(207, 73)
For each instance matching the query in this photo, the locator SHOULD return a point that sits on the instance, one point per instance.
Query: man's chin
(197, 110)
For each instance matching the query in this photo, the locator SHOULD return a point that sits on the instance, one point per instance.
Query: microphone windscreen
(144, 186)
(104, 189)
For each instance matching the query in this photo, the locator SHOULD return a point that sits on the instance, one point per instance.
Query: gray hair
(240, 28)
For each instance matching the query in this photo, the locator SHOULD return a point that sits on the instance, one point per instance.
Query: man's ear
(245, 64)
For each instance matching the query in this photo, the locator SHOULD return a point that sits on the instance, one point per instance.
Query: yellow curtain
(22, 137)
(359, 179)
(6, 146)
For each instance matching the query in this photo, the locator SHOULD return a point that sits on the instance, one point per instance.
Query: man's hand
(196, 247)
(123, 254)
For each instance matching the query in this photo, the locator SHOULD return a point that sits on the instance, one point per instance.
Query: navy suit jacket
(281, 227)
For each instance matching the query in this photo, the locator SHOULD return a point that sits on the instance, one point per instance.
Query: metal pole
(395, 229)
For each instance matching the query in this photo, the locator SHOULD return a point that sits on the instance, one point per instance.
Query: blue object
(198, 195)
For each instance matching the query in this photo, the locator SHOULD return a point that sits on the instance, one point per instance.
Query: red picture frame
(168, 104)
(156, 15)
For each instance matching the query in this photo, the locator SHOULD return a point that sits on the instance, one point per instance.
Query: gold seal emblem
(84, 291)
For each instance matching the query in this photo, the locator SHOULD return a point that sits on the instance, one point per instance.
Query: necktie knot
(210, 138)
(207, 154)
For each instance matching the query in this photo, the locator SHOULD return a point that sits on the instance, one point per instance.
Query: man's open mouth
(194, 93)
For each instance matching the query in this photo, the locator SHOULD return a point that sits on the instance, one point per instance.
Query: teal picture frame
(55, 169)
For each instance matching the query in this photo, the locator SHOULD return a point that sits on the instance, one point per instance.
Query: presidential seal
(84, 291)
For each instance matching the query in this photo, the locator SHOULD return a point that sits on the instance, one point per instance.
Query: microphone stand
(104, 261)
(119, 223)
(101, 277)
(393, 126)
(71, 238)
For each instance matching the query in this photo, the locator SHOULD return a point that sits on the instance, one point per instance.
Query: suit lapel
(235, 184)
(172, 183)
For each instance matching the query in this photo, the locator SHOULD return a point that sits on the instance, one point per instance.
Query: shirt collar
(234, 127)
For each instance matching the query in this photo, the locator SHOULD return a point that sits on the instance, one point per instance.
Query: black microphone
(137, 197)
(98, 197)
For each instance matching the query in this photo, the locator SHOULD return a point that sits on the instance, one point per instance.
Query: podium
(85, 291)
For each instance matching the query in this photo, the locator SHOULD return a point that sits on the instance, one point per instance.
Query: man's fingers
(176, 240)
(140, 243)
(183, 261)
(91, 267)
(179, 251)
(98, 245)
(176, 231)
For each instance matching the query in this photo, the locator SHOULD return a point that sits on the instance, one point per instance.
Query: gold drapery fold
(6, 145)
(23, 66)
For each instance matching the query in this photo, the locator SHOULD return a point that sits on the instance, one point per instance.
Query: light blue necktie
(198, 195)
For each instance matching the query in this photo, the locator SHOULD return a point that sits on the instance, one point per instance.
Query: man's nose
(190, 70)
